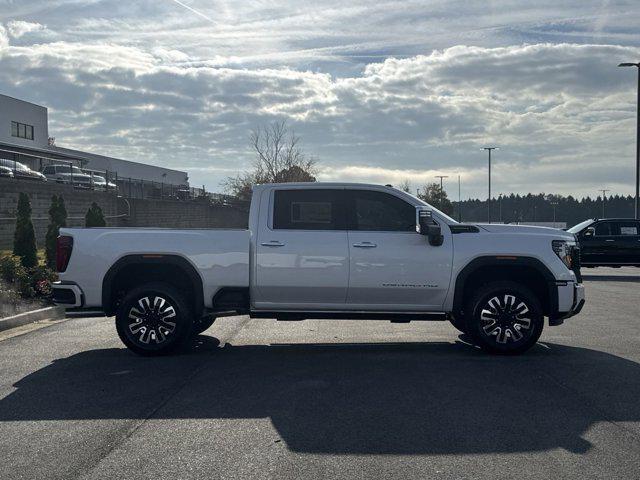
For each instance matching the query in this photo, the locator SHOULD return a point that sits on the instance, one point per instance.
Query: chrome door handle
(272, 243)
(365, 245)
(610, 240)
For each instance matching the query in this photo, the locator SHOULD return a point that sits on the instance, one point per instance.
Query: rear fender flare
(175, 260)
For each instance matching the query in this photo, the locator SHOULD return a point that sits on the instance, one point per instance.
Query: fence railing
(33, 167)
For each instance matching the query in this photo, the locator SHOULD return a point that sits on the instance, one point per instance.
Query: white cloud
(18, 28)
(4, 38)
(369, 92)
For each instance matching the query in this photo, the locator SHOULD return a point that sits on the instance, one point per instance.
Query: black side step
(391, 316)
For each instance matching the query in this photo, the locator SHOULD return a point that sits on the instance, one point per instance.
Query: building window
(22, 130)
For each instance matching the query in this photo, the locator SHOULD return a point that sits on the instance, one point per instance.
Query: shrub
(30, 282)
(14, 273)
(11, 268)
(24, 239)
(95, 217)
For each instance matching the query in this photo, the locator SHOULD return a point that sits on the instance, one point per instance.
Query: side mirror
(589, 232)
(428, 227)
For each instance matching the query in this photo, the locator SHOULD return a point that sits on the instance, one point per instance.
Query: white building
(24, 137)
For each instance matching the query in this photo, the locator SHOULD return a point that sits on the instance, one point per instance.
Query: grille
(575, 262)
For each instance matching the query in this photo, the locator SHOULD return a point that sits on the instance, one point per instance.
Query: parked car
(324, 250)
(611, 242)
(100, 183)
(21, 171)
(68, 174)
(6, 172)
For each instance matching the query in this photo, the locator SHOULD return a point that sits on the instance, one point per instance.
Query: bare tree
(279, 159)
(405, 186)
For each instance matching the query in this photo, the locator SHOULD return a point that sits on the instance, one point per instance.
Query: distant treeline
(539, 208)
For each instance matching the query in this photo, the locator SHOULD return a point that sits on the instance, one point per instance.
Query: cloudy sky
(378, 91)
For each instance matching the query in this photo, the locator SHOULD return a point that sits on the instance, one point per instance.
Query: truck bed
(220, 256)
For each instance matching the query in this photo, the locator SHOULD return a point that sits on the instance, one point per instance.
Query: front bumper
(577, 299)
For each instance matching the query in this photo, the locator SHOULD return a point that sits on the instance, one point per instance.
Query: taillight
(64, 246)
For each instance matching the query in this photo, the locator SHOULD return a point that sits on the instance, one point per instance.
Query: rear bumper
(67, 294)
(572, 292)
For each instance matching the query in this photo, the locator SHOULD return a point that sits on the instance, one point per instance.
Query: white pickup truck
(324, 250)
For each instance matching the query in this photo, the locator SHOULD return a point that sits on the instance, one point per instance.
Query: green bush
(24, 239)
(30, 282)
(95, 217)
(11, 268)
(15, 274)
(40, 280)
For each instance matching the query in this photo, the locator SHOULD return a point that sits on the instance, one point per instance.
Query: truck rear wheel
(154, 319)
(504, 318)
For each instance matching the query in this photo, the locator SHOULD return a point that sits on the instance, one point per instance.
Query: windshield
(68, 169)
(580, 226)
(12, 165)
(422, 202)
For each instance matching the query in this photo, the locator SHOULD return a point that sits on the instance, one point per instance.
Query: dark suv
(610, 242)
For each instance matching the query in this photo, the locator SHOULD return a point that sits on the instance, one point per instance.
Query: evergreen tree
(436, 196)
(57, 219)
(539, 207)
(95, 217)
(24, 239)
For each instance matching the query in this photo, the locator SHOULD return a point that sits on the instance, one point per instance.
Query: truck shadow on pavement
(432, 398)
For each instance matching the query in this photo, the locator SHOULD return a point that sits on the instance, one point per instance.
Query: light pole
(500, 203)
(604, 199)
(489, 149)
(637, 201)
(441, 190)
(459, 201)
(554, 205)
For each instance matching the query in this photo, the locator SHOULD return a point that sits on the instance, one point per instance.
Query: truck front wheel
(154, 319)
(504, 318)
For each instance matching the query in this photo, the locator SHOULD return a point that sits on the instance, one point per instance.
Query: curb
(49, 313)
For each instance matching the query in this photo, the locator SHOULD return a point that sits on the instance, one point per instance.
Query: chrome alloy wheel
(507, 318)
(150, 321)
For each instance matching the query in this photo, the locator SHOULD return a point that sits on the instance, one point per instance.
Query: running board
(83, 313)
(393, 317)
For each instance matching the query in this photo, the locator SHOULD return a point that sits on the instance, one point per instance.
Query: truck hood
(526, 230)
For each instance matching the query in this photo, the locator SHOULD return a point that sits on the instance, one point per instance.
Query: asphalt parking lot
(329, 399)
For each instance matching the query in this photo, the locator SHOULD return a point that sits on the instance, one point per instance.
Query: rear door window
(308, 209)
(627, 229)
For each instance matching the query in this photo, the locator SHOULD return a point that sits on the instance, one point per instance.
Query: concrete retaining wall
(76, 201)
(119, 212)
(179, 214)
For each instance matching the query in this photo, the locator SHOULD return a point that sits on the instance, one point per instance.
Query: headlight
(563, 249)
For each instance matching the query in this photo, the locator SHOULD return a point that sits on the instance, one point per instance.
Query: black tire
(202, 324)
(459, 324)
(504, 318)
(159, 325)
